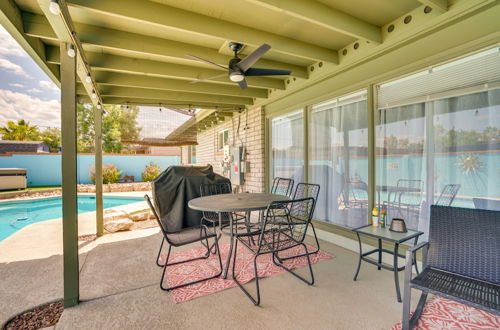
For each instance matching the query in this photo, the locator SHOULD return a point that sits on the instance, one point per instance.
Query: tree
(51, 136)
(117, 124)
(111, 137)
(128, 123)
(22, 131)
(85, 128)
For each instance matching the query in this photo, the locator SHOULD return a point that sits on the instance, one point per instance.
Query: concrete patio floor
(119, 288)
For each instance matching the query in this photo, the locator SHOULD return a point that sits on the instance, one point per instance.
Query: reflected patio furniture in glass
(180, 238)
(279, 233)
(282, 186)
(448, 194)
(337, 156)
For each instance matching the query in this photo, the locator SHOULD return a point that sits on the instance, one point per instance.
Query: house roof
(22, 146)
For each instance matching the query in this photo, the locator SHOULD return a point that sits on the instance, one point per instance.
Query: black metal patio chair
(460, 261)
(278, 233)
(212, 218)
(306, 190)
(180, 238)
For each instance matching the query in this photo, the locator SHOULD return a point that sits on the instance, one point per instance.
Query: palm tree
(22, 131)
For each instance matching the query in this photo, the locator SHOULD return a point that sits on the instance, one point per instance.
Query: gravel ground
(40, 317)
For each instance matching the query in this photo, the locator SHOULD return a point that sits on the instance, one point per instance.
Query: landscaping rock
(113, 226)
(112, 214)
(116, 187)
(141, 216)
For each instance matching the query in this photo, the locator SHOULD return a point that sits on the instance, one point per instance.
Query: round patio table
(244, 202)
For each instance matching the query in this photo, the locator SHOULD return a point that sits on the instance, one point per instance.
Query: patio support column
(69, 177)
(306, 143)
(98, 171)
(372, 114)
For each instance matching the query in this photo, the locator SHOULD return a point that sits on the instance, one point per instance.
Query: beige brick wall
(251, 136)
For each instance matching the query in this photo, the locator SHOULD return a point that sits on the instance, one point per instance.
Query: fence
(45, 169)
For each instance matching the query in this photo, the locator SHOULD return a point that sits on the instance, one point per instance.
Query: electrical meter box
(237, 175)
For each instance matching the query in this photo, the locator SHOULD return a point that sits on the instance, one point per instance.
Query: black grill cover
(175, 187)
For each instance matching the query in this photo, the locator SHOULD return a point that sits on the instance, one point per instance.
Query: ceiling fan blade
(253, 57)
(266, 72)
(208, 78)
(199, 59)
(243, 84)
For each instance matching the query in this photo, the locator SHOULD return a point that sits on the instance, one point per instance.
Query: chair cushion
(467, 290)
(189, 235)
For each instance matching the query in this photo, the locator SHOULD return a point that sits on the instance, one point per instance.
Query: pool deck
(119, 289)
(25, 243)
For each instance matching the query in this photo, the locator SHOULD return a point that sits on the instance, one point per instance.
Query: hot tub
(12, 178)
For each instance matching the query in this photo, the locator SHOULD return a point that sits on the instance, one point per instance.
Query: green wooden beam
(186, 97)
(62, 26)
(440, 5)
(99, 207)
(148, 13)
(166, 102)
(325, 16)
(143, 46)
(69, 178)
(141, 81)
(113, 63)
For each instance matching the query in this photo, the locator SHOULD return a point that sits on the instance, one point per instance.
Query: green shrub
(150, 173)
(110, 174)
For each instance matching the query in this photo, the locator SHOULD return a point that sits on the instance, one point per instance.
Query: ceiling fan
(238, 68)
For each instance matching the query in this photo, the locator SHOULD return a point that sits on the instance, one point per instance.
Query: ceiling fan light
(54, 7)
(236, 77)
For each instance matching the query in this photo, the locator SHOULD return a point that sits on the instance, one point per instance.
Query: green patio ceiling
(136, 49)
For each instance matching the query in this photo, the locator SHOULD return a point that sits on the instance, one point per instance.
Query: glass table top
(386, 234)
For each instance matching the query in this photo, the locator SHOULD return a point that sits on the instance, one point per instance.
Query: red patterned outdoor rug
(440, 313)
(198, 269)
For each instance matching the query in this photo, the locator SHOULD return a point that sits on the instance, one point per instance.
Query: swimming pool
(15, 215)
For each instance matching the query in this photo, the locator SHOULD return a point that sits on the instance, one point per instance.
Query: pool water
(15, 215)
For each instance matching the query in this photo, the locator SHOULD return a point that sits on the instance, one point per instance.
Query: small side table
(384, 234)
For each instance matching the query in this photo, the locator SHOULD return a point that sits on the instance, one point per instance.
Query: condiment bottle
(383, 217)
(375, 217)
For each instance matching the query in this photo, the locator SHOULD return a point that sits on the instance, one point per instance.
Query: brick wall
(251, 136)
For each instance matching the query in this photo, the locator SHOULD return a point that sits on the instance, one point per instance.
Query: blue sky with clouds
(25, 90)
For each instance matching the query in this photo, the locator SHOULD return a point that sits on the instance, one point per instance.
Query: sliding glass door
(338, 159)
(438, 139)
(287, 146)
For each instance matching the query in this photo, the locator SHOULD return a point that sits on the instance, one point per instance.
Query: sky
(25, 90)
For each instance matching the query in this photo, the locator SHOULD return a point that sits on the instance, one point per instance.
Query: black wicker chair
(179, 238)
(305, 190)
(461, 261)
(278, 233)
(282, 186)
